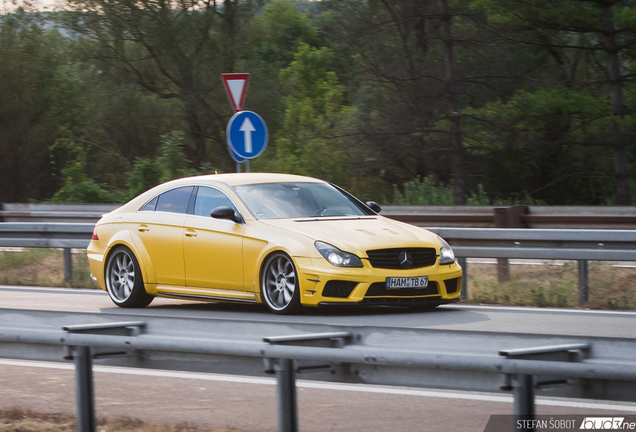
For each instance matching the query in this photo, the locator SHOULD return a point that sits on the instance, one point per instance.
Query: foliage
(278, 33)
(423, 192)
(306, 143)
(78, 187)
(506, 101)
(429, 191)
(30, 58)
(146, 173)
(172, 159)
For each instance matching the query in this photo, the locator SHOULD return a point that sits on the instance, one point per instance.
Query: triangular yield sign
(236, 88)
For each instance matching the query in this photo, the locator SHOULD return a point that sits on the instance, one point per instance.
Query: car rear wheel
(279, 284)
(124, 283)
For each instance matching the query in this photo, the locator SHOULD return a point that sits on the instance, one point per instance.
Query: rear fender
(134, 243)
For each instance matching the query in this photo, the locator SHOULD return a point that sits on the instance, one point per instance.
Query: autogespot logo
(607, 423)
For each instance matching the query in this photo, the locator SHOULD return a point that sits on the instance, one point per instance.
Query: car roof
(236, 179)
(229, 180)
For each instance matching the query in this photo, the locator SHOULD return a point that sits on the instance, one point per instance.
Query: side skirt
(203, 297)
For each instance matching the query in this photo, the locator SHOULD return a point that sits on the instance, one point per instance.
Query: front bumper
(366, 285)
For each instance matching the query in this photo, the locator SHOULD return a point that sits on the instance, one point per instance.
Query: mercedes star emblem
(406, 260)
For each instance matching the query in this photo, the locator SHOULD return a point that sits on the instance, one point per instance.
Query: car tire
(280, 290)
(124, 282)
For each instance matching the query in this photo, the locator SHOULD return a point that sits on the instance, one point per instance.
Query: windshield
(297, 200)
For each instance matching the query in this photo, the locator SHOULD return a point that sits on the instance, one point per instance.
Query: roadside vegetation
(43, 267)
(17, 420)
(529, 285)
(553, 286)
(404, 101)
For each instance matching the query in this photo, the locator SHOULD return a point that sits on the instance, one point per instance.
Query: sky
(41, 5)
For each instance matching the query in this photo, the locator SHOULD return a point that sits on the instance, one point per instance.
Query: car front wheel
(279, 284)
(124, 283)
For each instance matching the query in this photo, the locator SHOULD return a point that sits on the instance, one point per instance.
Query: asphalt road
(570, 322)
(248, 403)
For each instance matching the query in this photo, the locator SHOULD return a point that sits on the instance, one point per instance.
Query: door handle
(143, 228)
(190, 233)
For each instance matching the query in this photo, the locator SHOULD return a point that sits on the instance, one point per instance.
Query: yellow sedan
(284, 240)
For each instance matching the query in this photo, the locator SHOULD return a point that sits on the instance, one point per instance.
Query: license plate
(407, 282)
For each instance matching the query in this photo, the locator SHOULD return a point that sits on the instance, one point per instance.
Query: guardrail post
(584, 282)
(508, 217)
(286, 371)
(286, 395)
(83, 357)
(524, 409)
(68, 265)
(501, 221)
(84, 390)
(464, 264)
(522, 385)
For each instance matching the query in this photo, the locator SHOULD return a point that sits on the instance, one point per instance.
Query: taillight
(95, 236)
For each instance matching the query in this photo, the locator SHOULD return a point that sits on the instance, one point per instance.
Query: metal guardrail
(580, 245)
(549, 244)
(553, 365)
(601, 245)
(46, 235)
(594, 245)
(537, 217)
(52, 212)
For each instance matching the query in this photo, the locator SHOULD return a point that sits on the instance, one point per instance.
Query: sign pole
(238, 167)
(247, 165)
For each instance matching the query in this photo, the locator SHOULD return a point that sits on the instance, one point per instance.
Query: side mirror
(224, 212)
(374, 206)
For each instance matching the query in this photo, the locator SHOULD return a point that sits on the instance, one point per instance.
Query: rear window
(150, 205)
(175, 200)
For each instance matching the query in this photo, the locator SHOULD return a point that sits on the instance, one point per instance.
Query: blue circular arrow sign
(246, 135)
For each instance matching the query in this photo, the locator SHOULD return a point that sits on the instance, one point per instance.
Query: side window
(209, 199)
(150, 205)
(175, 200)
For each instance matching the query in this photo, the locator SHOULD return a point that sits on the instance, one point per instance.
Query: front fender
(255, 251)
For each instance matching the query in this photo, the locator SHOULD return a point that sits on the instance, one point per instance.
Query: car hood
(358, 234)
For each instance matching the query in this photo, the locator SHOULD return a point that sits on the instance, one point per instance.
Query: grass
(529, 285)
(553, 286)
(43, 267)
(17, 420)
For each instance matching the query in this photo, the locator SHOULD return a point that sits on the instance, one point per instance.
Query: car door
(213, 248)
(159, 226)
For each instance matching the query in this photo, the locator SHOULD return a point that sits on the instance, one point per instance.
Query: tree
(175, 50)
(314, 112)
(418, 64)
(30, 61)
(78, 187)
(600, 31)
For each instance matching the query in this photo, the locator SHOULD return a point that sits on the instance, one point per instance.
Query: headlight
(446, 254)
(337, 257)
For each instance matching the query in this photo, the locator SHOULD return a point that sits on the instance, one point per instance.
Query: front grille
(379, 289)
(338, 288)
(451, 285)
(390, 258)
